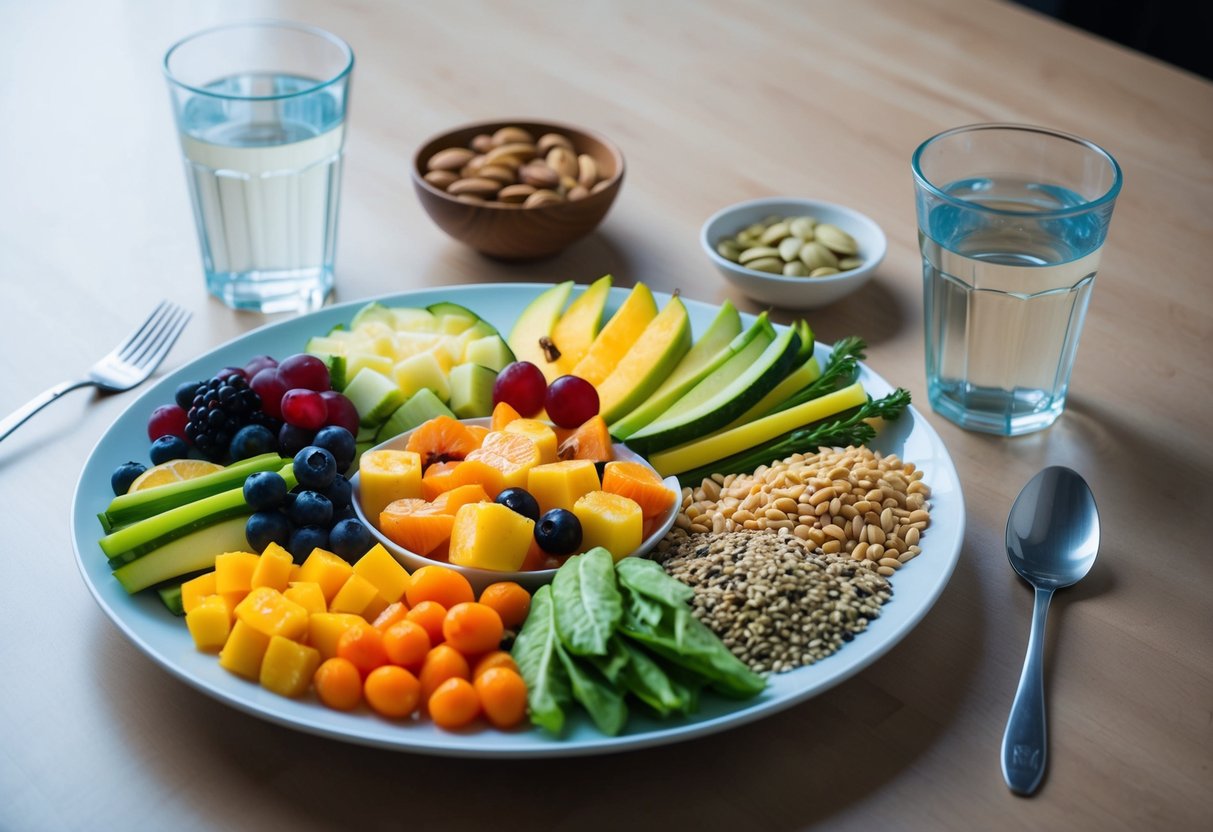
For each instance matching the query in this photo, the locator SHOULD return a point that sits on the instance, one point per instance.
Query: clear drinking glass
(1011, 221)
(260, 110)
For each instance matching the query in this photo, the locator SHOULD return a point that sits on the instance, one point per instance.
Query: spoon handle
(1024, 745)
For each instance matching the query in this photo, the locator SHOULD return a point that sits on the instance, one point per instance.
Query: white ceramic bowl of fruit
(494, 529)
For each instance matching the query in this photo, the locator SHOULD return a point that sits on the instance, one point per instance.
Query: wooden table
(712, 102)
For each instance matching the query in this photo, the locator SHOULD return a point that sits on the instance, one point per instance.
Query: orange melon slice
(441, 439)
(416, 525)
(639, 483)
(591, 440)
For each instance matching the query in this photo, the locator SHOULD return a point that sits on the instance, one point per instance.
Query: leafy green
(849, 429)
(588, 604)
(842, 368)
(537, 653)
(613, 663)
(647, 578)
(643, 678)
(601, 700)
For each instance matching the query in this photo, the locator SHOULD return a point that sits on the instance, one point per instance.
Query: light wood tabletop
(711, 102)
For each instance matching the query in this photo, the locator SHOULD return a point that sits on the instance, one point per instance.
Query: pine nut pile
(773, 603)
(850, 501)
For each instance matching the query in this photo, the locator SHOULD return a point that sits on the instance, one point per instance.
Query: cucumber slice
(797, 380)
(170, 596)
(140, 505)
(721, 397)
(420, 408)
(373, 311)
(490, 351)
(374, 395)
(192, 553)
(454, 310)
(472, 390)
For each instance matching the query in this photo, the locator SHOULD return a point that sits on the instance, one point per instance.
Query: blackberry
(220, 408)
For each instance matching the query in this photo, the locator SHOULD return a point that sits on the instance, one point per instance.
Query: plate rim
(366, 729)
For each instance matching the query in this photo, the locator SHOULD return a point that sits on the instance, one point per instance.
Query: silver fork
(126, 366)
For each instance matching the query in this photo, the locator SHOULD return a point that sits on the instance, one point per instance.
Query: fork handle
(19, 416)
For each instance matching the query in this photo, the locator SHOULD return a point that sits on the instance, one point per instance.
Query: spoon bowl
(1052, 539)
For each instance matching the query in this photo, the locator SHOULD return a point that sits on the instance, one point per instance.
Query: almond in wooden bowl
(517, 190)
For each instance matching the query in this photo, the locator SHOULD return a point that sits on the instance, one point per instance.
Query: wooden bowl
(511, 232)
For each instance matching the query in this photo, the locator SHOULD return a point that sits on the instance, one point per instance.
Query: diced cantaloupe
(561, 484)
(287, 667)
(540, 433)
(243, 651)
(268, 611)
(195, 589)
(273, 568)
(326, 569)
(381, 569)
(449, 502)
(234, 572)
(490, 536)
(308, 595)
(608, 520)
(356, 597)
(416, 525)
(209, 623)
(387, 475)
(325, 628)
(478, 472)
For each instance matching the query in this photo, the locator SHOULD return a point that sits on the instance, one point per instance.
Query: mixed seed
(793, 247)
(775, 605)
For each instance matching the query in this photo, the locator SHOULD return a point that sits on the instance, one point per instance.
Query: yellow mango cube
(234, 572)
(273, 568)
(387, 476)
(308, 595)
(490, 536)
(384, 571)
(210, 623)
(561, 484)
(540, 433)
(325, 628)
(195, 590)
(294, 574)
(288, 667)
(243, 651)
(608, 520)
(356, 596)
(268, 611)
(326, 569)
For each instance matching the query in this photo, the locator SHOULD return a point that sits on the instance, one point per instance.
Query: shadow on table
(876, 305)
(801, 766)
(606, 254)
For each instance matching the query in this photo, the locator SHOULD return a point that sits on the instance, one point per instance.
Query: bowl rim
(843, 277)
(606, 192)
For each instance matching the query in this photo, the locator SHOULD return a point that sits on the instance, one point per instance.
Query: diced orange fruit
(490, 536)
(503, 414)
(478, 433)
(381, 569)
(358, 596)
(234, 572)
(287, 667)
(209, 623)
(268, 611)
(438, 479)
(541, 434)
(416, 525)
(195, 590)
(479, 472)
(638, 482)
(273, 568)
(324, 630)
(328, 570)
(243, 651)
(449, 502)
(560, 484)
(591, 440)
(608, 520)
(510, 453)
(441, 439)
(308, 595)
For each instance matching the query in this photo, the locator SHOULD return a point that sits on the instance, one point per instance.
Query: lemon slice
(175, 470)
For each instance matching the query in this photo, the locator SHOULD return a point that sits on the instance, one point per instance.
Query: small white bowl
(480, 578)
(794, 292)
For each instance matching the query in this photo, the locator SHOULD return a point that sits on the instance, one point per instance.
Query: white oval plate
(164, 638)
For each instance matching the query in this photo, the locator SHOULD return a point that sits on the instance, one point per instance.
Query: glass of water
(260, 110)
(1011, 222)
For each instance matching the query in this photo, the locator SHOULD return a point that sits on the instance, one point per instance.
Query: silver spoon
(1052, 538)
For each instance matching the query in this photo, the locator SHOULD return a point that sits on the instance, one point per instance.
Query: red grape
(167, 420)
(521, 385)
(227, 372)
(268, 384)
(341, 411)
(304, 409)
(305, 371)
(570, 401)
(259, 363)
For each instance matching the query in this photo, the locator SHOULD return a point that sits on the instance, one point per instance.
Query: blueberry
(252, 440)
(292, 440)
(265, 490)
(315, 468)
(312, 508)
(340, 493)
(346, 513)
(520, 501)
(168, 448)
(266, 527)
(186, 391)
(124, 475)
(350, 539)
(305, 539)
(339, 442)
(558, 532)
